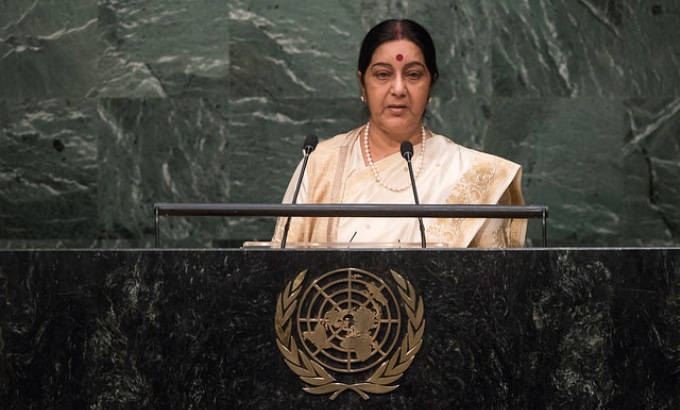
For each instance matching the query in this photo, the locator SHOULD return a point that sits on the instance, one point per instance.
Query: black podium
(178, 329)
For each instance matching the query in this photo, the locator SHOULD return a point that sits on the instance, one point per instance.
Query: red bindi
(400, 57)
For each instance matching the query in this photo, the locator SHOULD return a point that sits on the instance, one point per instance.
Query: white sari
(451, 174)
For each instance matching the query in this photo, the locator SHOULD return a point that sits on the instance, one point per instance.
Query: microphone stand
(407, 153)
(310, 145)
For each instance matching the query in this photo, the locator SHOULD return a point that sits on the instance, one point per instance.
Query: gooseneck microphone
(407, 153)
(310, 145)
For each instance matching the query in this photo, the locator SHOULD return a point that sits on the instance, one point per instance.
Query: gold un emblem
(344, 331)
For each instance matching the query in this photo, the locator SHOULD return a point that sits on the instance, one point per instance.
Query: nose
(398, 86)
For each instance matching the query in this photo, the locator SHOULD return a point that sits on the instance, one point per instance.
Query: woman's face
(397, 88)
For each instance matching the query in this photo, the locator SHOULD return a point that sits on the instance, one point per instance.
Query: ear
(361, 84)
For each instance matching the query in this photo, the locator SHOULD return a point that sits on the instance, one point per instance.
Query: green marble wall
(109, 106)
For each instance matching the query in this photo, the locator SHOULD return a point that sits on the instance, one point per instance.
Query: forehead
(388, 52)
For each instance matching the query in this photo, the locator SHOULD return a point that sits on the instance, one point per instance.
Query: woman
(397, 69)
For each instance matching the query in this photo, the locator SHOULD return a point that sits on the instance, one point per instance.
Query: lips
(396, 108)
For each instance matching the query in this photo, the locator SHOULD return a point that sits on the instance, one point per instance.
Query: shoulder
(339, 143)
(448, 147)
(339, 140)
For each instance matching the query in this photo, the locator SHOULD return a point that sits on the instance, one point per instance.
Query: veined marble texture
(195, 329)
(109, 106)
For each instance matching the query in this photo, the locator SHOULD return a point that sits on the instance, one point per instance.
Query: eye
(382, 75)
(414, 75)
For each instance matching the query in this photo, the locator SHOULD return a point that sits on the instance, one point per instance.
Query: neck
(383, 144)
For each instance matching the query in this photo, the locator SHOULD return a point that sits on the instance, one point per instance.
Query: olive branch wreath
(315, 375)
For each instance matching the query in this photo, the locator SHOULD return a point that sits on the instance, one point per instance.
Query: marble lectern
(437, 328)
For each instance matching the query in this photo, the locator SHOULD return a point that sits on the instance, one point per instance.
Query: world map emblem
(347, 331)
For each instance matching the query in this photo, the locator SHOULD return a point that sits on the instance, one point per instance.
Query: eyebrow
(418, 63)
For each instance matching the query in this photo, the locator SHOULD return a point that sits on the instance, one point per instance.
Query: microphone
(310, 145)
(407, 153)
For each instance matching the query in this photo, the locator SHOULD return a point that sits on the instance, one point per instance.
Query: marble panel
(530, 81)
(48, 170)
(294, 50)
(652, 171)
(571, 153)
(653, 49)
(163, 48)
(48, 48)
(559, 48)
(162, 150)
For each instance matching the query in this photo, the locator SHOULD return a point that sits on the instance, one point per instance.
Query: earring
(362, 98)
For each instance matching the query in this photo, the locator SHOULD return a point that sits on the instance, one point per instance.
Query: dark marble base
(555, 328)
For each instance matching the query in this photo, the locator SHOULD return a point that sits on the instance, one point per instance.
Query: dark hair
(390, 30)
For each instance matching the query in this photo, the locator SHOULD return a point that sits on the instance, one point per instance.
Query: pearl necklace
(377, 176)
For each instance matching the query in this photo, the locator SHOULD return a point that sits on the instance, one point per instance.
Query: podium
(178, 329)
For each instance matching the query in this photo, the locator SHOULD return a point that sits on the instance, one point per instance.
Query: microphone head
(406, 150)
(310, 143)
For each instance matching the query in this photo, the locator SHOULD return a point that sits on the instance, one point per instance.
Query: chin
(400, 122)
